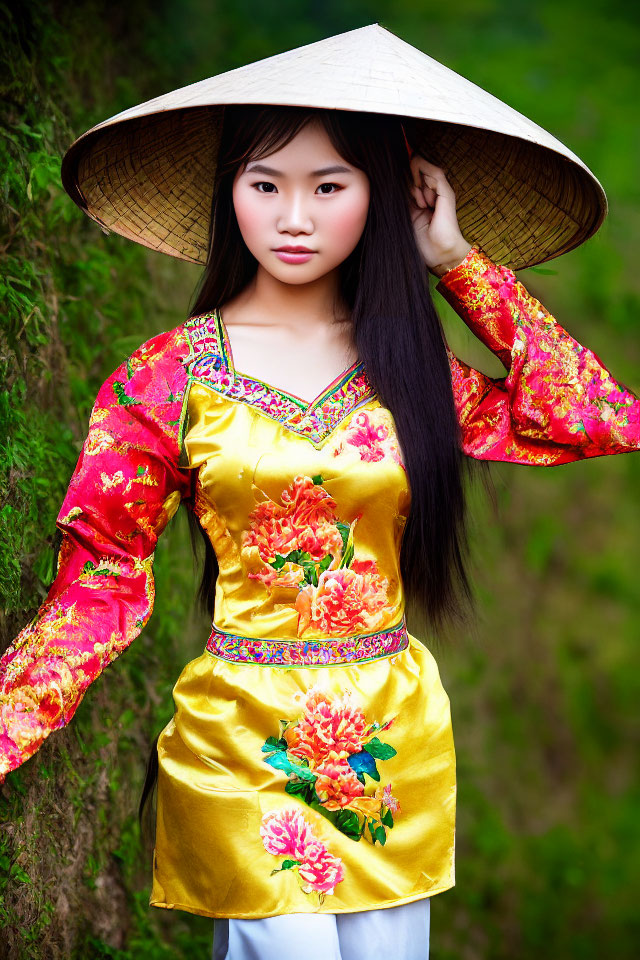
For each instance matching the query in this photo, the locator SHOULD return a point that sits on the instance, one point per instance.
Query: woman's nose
(294, 215)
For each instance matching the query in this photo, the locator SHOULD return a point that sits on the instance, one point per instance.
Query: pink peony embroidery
(373, 435)
(320, 869)
(286, 833)
(368, 437)
(327, 755)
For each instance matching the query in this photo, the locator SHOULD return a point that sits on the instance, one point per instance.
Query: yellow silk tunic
(309, 766)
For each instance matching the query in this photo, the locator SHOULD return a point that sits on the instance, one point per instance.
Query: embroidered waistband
(308, 653)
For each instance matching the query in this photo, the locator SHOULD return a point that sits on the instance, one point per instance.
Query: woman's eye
(267, 183)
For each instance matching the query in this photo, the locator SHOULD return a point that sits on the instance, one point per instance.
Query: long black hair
(397, 333)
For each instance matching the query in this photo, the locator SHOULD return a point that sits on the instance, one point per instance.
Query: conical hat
(522, 196)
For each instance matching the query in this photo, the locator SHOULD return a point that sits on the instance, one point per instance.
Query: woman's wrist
(452, 259)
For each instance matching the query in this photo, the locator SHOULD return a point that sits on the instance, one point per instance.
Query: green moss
(544, 701)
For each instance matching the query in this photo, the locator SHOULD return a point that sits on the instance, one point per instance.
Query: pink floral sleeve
(557, 403)
(125, 488)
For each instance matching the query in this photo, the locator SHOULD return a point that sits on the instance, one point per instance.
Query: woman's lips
(289, 257)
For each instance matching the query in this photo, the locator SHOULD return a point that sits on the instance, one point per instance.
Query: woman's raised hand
(435, 223)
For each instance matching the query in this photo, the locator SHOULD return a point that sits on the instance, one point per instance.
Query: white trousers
(401, 933)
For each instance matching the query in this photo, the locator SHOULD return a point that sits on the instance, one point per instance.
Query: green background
(544, 688)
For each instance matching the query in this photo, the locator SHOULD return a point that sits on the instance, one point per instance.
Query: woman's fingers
(418, 197)
(428, 175)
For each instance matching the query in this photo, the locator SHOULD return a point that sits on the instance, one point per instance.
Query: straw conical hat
(522, 196)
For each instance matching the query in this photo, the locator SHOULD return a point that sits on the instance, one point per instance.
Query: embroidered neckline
(223, 334)
(210, 363)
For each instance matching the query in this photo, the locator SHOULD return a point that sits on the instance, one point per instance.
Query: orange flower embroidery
(350, 600)
(330, 728)
(330, 757)
(301, 543)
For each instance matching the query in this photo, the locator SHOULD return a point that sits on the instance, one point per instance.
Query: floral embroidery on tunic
(371, 434)
(210, 363)
(360, 648)
(286, 833)
(327, 755)
(301, 543)
(558, 402)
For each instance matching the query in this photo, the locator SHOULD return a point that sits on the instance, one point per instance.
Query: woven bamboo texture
(522, 196)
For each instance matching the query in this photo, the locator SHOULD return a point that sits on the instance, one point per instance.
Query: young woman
(311, 415)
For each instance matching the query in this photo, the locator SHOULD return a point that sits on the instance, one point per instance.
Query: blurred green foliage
(544, 691)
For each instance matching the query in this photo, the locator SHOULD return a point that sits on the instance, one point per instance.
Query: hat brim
(522, 196)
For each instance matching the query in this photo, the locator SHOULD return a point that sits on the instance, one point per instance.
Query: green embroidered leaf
(332, 816)
(381, 835)
(281, 762)
(296, 787)
(349, 549)
(344, 529)
(141, 471)
(382, 751)
(123, 398)
(294, 556)
(90, 567)
(272, 743)
(303, 789)
(310, 567)
(372, 830)
(387, 818)
(311, 575)
(348, 823)
(317, 479)
(286, 865)
(363, 762)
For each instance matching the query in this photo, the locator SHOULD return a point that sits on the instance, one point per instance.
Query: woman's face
(303, 195)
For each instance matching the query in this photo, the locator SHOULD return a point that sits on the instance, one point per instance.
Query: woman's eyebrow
(261, 168)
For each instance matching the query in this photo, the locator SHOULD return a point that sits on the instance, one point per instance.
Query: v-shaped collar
(209, 362)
